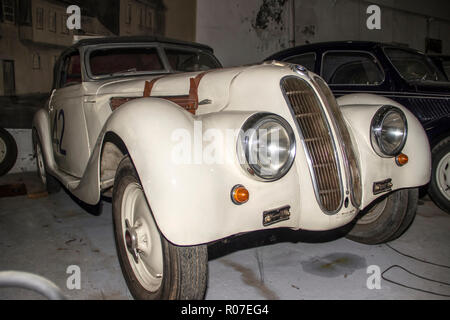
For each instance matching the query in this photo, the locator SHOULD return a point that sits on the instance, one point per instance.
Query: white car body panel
(191, 202)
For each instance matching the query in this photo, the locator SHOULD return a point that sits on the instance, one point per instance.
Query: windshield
(187, 61)
(114, 61)
(122, 61)
(414, 66)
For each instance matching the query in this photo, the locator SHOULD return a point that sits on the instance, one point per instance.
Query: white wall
(232, 29)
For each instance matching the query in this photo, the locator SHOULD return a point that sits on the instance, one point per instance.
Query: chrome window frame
(377, 62)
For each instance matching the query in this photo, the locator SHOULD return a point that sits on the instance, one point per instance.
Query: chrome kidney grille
(318, 142)
(345, 141)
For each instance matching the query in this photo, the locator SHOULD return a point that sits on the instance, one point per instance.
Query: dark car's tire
(387, 219)
(154, 269)
(51, 184)
(439, 187)
(8, 151)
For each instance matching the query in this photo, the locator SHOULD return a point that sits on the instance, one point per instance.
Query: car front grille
(318, 142)
(350, 160)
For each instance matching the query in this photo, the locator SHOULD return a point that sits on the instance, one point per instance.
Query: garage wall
(245, 32)
(180, 19)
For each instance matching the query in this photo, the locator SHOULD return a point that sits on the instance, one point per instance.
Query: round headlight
(388, 131)
(268, 146)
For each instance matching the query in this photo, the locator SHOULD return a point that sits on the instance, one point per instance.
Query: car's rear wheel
(8, 151)
(51, 184)
(387, 219)
(153, 267)
(439, 187)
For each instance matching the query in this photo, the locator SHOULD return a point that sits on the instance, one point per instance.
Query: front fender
(190, 200)
(358, 111)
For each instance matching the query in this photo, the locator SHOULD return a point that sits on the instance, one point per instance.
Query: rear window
(114, 61)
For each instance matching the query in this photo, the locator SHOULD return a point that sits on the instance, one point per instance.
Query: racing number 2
(58, 141)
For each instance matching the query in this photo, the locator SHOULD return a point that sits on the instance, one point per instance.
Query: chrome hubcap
(141, 238)
(373, 213)
(2, 150)
(443, 176)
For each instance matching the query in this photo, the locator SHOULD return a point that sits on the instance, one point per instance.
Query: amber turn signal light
(401, 159)
(239, 194)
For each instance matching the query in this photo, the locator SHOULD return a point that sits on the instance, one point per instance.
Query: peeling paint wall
(243, 32)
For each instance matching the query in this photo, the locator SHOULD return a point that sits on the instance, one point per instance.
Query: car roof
(336, 45)
(137, 39)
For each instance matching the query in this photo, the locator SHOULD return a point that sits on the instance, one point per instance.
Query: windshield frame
(160, 48)
(417, 53)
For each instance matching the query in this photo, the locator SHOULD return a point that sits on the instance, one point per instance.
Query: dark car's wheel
(51, 184)
(8, 151)
(387, 219)
(439, 187)
(153, 267)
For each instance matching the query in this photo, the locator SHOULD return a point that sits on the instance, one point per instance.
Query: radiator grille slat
(317, 140)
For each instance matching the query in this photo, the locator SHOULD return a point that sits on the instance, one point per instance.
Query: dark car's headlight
(388, 131)
(267, 146)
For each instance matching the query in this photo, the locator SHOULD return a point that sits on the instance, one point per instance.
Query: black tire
(8, 151)
(441, 150)
(396, 213)
(185, 269)
(51, 184)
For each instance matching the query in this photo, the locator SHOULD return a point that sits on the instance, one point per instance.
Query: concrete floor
(46, 234)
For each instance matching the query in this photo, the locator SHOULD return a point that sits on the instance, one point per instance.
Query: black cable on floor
(414, 274)
(415, 258)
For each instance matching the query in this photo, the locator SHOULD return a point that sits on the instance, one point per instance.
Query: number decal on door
(59, 140)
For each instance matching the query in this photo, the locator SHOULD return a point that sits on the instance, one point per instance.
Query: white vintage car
(191, 153)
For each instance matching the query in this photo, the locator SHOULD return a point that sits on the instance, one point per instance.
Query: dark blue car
(401, 74)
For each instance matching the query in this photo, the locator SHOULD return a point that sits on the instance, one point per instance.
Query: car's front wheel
(387, 219)
(153, 267)
(439, 187)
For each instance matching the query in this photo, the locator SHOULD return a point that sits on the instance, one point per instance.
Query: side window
(71, 72)
(308, 60)
(351, 68)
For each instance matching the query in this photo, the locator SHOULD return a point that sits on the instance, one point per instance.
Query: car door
(68, 123)
(352, 71)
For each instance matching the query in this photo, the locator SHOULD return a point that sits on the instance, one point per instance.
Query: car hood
(215, 83)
